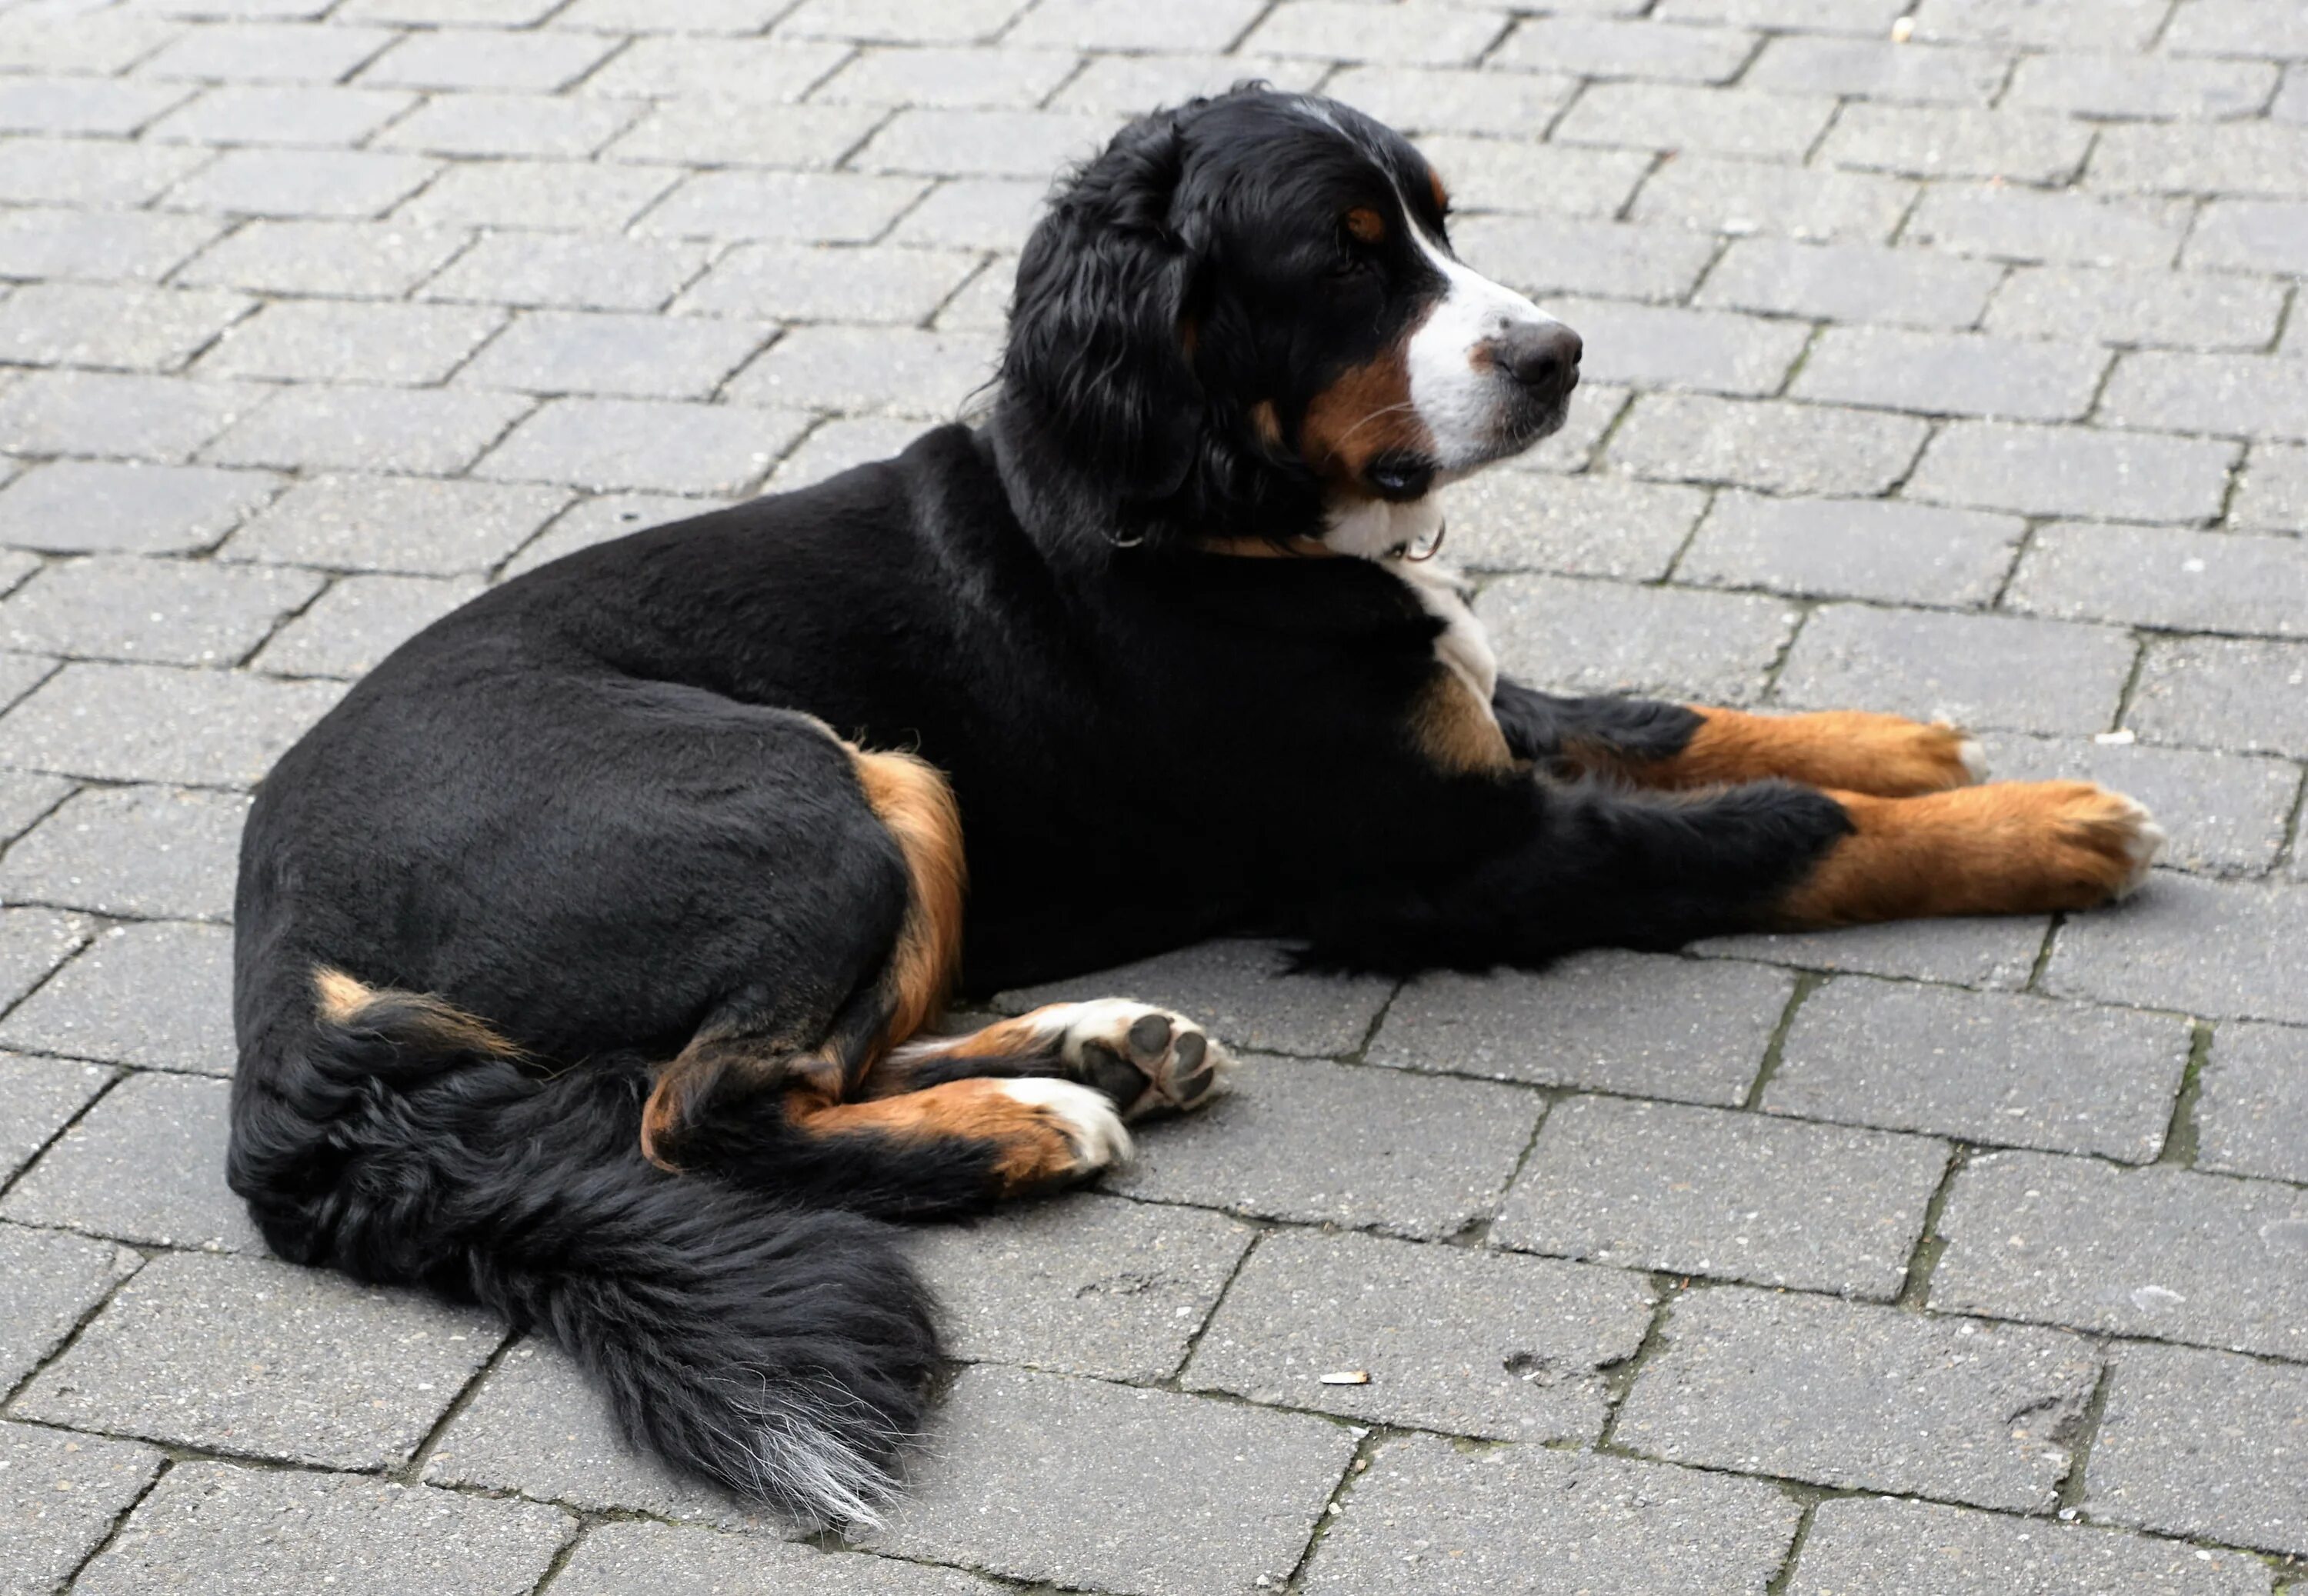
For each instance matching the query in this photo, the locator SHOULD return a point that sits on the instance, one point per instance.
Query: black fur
(597, 809)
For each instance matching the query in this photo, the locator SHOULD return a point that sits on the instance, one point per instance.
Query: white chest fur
(1374, 529)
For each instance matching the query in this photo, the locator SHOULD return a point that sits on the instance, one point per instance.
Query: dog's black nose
(1543, 356)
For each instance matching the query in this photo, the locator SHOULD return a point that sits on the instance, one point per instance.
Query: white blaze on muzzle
(1457, 392)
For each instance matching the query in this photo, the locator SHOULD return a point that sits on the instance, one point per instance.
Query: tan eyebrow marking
(1366, 224)
(1442, 194)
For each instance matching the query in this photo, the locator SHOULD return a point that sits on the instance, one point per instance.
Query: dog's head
(1244, 318)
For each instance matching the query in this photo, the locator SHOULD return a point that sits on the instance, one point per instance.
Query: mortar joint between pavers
(1777, 1584)
(412, 1470)
(119, 1523)
(287, 617)
(1775, 1048)
(2070, 1490)
(119, 1073)
(2288, 850)
(2130, 687)
(1915, 1290)
(1368, 1438)
(1768, 693)
(1619, 1379)
(1812, 340)
(2028, 527)
(2180, 1135)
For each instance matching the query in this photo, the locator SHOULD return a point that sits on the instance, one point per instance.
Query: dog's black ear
(1099, 349)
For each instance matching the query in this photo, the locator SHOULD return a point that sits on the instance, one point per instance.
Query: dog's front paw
(1149, 1060)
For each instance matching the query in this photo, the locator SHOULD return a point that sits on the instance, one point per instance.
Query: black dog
(585, 950)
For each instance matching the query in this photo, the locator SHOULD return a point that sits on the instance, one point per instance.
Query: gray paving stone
(537, 1426)
(790, 282)
(1766, 444)
(683, 66)
(2257, 158)
(264, 1360)
(151, 852)
(2037, 470)
(2119, 305)
(542, 60)
(1595, 407)
(2152, 576)
(2252, 396)
(1416, 100)
(360, 620)
(155, 995)
(1720, 194)
(1091, 1285)
(20, 674)
(949, 75)
(2109, 24)
(2156, 1251)
(2238, 693)
(932, 142)
(1415, 34)
(2223, 813)
(1873, 1544)
(1442, 1521)
(428, 430)
(1978, 671)
(2008, 1070)
(152, 723)
(1600, 47)
(1850, 282)
(570, 272)
(2252, 1118)
(130, 327)
(266, 52)
(302, 183)
(1079, 1482)
(1123, 25)
(210, 1529)
(48, 1282)
(1670, 347)
(1848, 1395)
(317, 341)
(1130, 85)
(322, 117)
(416, 525)
(1607, 638)
(32, 942)
(599, 520)
(965, 213)
(1550, 255)
(835, 446)
(2176, 1421)
(793, 206)
(59, 1495)
(44, 241)
(742, 134)
(2096, 84)
(579, 196)
(1512, 175)
(643, 443)
(889, 370)
(520, 125)
(89, 42)
(1682, 1029)
(1868, 19)
(1852, 548)
(2251, 235)
(1331, 1144)
(341, 259)
(2271, 493)
(37, 1097)
(1952, 374)
(1706, 1192)
(2221, 949)
(144, 1166)
(1872, 69)
(1453, 1339)
(2026, 224)
(615, 1558)
(1585, 525)
(1240, 991)
(103, 413)
(632, 356)
(1958, 141)
(2236, 27)
(89, 171)
(176, 611)
(1719, 121)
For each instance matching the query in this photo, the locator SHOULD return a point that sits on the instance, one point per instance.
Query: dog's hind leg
(1146, 1061)
(1648, 743)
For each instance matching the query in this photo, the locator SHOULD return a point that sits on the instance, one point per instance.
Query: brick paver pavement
(1952, 363)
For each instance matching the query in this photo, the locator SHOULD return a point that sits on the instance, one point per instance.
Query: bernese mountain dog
(590, 951)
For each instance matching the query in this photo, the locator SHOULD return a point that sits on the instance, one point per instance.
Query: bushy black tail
(782, 1352)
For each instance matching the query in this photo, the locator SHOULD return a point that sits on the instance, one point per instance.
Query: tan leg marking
(1042, 1131)
(344, 1001)
(915, 802)
(1848, 749)
(2014, 848)
(1456, 732)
